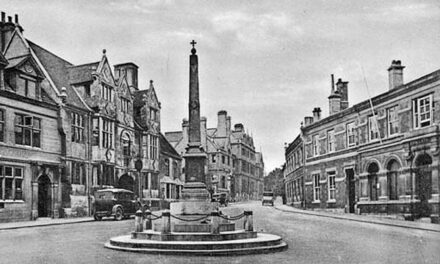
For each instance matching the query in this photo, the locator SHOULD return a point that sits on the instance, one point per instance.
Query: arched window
(373, 168)
(392, 179)
(126, 148)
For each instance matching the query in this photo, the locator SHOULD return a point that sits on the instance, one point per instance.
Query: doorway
(44, 196)
(423, 183)
(349, 174)
(373, 169)
(126, 182)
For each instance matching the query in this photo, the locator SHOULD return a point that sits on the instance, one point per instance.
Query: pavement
(372, 219)
(45, 221)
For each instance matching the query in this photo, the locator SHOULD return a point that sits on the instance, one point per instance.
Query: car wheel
(97, 218)
(119, 214)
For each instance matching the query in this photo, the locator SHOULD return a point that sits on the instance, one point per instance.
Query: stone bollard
(138, 226)
(148, 224)
(248, 221)
(215, 222)
(166, 229)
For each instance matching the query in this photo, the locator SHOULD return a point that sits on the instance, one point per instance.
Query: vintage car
(221, 198)
(119, 203)
(267, 198)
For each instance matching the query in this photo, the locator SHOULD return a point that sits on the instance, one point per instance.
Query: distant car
(221, 198)
(267, 198)
(119, 203)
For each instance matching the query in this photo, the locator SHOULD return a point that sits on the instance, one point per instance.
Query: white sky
(268, 63)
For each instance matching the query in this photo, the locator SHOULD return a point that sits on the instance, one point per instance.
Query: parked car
(119, 203)
(268, 198)
(221, 198)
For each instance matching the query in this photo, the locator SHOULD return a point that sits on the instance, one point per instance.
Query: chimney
(130, 70)
(228, 125)
(308, 120)
(342, 88)
(238, 127)
(221, 123)
(316, 114)
(185, 125)
(6, 30)
(334, 99)
(395, 74)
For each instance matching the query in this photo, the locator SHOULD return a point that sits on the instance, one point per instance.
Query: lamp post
(138, 165)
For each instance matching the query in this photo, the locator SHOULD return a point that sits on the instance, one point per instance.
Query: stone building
(380, 156)
(248, 165)
(67, 130)
(223, 168)
(294, 173)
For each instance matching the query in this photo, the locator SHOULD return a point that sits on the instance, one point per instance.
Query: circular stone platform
(263, 243)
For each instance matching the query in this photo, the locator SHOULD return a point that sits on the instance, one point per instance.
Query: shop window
(27, 130)
(11, 180)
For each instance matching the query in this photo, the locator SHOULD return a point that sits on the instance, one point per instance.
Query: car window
(104, 195)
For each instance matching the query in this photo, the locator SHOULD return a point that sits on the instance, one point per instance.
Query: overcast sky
(267, 63)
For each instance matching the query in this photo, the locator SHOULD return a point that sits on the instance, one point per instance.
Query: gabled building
(67, 130)
(218, 143)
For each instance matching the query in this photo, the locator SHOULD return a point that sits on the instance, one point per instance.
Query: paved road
(311, 239)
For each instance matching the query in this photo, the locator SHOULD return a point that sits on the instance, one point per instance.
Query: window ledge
(316, 202)
(331, 201)
(11, 201)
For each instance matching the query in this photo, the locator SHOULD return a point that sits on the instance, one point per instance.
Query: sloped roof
(14, 62)
(166, 148)
(174, 136)
(57, 68)
(82, 73)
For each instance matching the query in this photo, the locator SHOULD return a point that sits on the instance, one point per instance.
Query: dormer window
(125, 105)
(107, 92)
(154, 114)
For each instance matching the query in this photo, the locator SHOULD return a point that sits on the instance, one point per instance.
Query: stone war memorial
(194, 225)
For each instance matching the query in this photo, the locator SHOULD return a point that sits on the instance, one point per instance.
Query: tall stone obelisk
(195, 156)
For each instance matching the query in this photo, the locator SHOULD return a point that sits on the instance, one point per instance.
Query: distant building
(379, 156)
(227, 169)
(294, 173)
(67, 130)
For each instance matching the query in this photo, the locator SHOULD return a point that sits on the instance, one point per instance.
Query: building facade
(379, 156)
(224, 171)
(294, 173)
(67, 130)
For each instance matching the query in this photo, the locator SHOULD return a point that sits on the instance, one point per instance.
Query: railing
(144, 221)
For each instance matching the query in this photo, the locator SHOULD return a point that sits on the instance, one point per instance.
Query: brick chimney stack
(316, 114)
(342, 88)
(7, 29)
(395, 74)
(334, 99)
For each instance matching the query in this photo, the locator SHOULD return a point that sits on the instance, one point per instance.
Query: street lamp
(138, 165)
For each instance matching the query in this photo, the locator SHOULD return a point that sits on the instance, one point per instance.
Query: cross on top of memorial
(193, 50)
